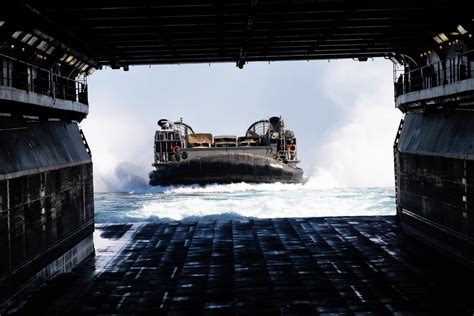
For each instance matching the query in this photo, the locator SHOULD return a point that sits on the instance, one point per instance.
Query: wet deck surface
(311, 266)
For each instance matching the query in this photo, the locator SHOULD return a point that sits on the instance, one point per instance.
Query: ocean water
(240, 200)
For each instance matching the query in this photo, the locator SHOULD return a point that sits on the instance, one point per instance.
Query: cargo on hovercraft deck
(267, 153)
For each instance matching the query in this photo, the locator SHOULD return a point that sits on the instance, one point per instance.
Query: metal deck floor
(297, 266)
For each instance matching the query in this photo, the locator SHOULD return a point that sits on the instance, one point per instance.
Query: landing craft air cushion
(267, 153)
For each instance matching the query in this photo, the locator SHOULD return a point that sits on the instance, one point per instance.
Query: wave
(243, 200)
(232, 188)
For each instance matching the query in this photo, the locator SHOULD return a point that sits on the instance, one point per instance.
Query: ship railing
(457, 68)
(24, 76)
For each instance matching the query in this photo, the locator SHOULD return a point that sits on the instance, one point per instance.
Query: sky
(342, 113)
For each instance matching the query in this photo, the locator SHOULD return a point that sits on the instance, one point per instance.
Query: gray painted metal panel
(23, 98)
(439, 133)
(34, 145)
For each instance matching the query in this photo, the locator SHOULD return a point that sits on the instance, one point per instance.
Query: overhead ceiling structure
(119, 33)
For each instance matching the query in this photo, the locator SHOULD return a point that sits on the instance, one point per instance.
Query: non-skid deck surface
(297, 266)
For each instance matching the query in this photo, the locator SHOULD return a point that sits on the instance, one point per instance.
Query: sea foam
(242, 200)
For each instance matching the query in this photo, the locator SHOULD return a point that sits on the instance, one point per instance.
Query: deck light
(461, 29)
(437, 39)
(443, 37)
(1, 23)
(90, 71)
(72, 61)
(393, 59)
(16, 34)
(440, 38)
(26, 38)
(42, 46)
(32, 40)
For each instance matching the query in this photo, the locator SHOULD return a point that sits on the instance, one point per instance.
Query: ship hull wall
(226, 168)
(435, 180)
(46, 203)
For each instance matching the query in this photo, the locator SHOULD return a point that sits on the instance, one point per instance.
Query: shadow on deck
(279, 266)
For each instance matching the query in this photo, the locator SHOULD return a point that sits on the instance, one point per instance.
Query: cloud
(358, 152)
(118, 138)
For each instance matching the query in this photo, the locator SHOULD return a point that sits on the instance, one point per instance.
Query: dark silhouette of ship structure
(266, 154)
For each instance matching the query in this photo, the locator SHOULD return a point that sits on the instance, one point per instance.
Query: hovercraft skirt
(226, 168)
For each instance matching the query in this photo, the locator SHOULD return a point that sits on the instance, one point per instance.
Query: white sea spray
(242, 200)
